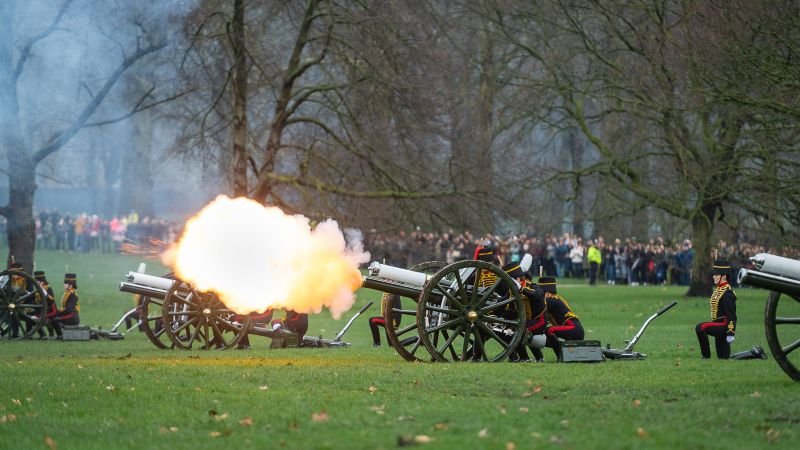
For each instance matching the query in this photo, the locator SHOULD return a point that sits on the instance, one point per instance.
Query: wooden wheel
(23, 305)
(194, 319)
(151, 317)
(460, 318)
(781, 320)
(402, 336)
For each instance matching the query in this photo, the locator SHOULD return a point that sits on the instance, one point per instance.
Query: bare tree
(24, 155)
(644, 93)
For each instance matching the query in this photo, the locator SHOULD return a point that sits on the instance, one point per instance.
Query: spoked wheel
(782, 324)
(23, 305)
(199, 320)
(151, 316)
(459, 320)
(404, 337)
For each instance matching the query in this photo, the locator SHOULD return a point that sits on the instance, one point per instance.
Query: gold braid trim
(487, 278)
(714, 300)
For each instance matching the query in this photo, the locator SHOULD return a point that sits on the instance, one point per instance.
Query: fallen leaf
(377, 409)
(537, 389)
(263, 387)
(756, 394)
(536, 435)
(162, 430)
(511, 446)
(197, 389)
(48, 441)
(16, 402)
(321, 416)
(677, 362)
(565, 422)
(523, 409)
(529, 382)
(212, 412)
(372, 389)
(637, 403)
(555, 439)
(440, 426)
(8, 418)
(422, 439)
(246, 421)
(215, 434)
(501, 409)
(483, 433)
(641, 432)
(173, 429)
(28, 399)
(111, 388)
(80, 366)
(772, 435)
(526, 394)
(221, 417)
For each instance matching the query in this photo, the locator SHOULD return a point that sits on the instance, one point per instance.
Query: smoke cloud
(257, 257)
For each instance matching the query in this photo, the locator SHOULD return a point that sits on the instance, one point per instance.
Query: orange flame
(257, 257)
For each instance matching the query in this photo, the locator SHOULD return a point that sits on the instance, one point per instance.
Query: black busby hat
(486, 253)
(721, 267)
(548, 284)
(514, 270)
(15, 266)
(39, 276)
(71, 279)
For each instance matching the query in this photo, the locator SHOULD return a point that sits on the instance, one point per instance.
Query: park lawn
(129, 394)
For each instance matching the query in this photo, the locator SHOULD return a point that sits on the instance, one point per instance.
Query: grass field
(129, 394)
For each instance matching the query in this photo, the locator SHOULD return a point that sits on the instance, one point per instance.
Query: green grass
(129, 394)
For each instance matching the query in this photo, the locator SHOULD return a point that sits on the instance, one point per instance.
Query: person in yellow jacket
(595, 258)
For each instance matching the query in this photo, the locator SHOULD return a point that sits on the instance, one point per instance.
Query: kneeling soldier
(723, 314)
(564, 323)
(393, 302)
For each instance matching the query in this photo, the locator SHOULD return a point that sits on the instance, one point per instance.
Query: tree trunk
(702, 227)
(239, 163)
(21, 226)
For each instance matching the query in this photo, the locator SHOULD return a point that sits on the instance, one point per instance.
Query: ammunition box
(581, 351)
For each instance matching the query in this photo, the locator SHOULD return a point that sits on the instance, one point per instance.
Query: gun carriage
(22, 305)
(465, 311)
(782, 314)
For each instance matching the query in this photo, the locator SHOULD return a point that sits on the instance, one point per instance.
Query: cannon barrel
(777, 265)
(770, 281)
(403, 282)
(146, 285)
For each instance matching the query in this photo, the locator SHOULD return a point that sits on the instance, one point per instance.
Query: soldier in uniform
(564, 323)
(533, 300)
(486, 253)
(15, 284)
(51, 309)
(393, 301)
(723, 314)
(293, 321)
(70, 308)
(255, 319)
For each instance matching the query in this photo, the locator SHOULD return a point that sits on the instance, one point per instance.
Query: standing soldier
(723, 314)
(564, 323)
(69, 313)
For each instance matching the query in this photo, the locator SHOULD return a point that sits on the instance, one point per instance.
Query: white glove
(729, 339)
(276, 326)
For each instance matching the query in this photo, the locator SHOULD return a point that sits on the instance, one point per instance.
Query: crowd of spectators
(624, 260)
(93, 233)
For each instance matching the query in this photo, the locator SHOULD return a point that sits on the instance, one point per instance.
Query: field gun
(781, 276)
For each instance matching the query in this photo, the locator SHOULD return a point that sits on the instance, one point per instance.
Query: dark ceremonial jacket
(723, 307)
(51, 302)
(558, 310)
(392, 301)
(537, 305)
(69, 305)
